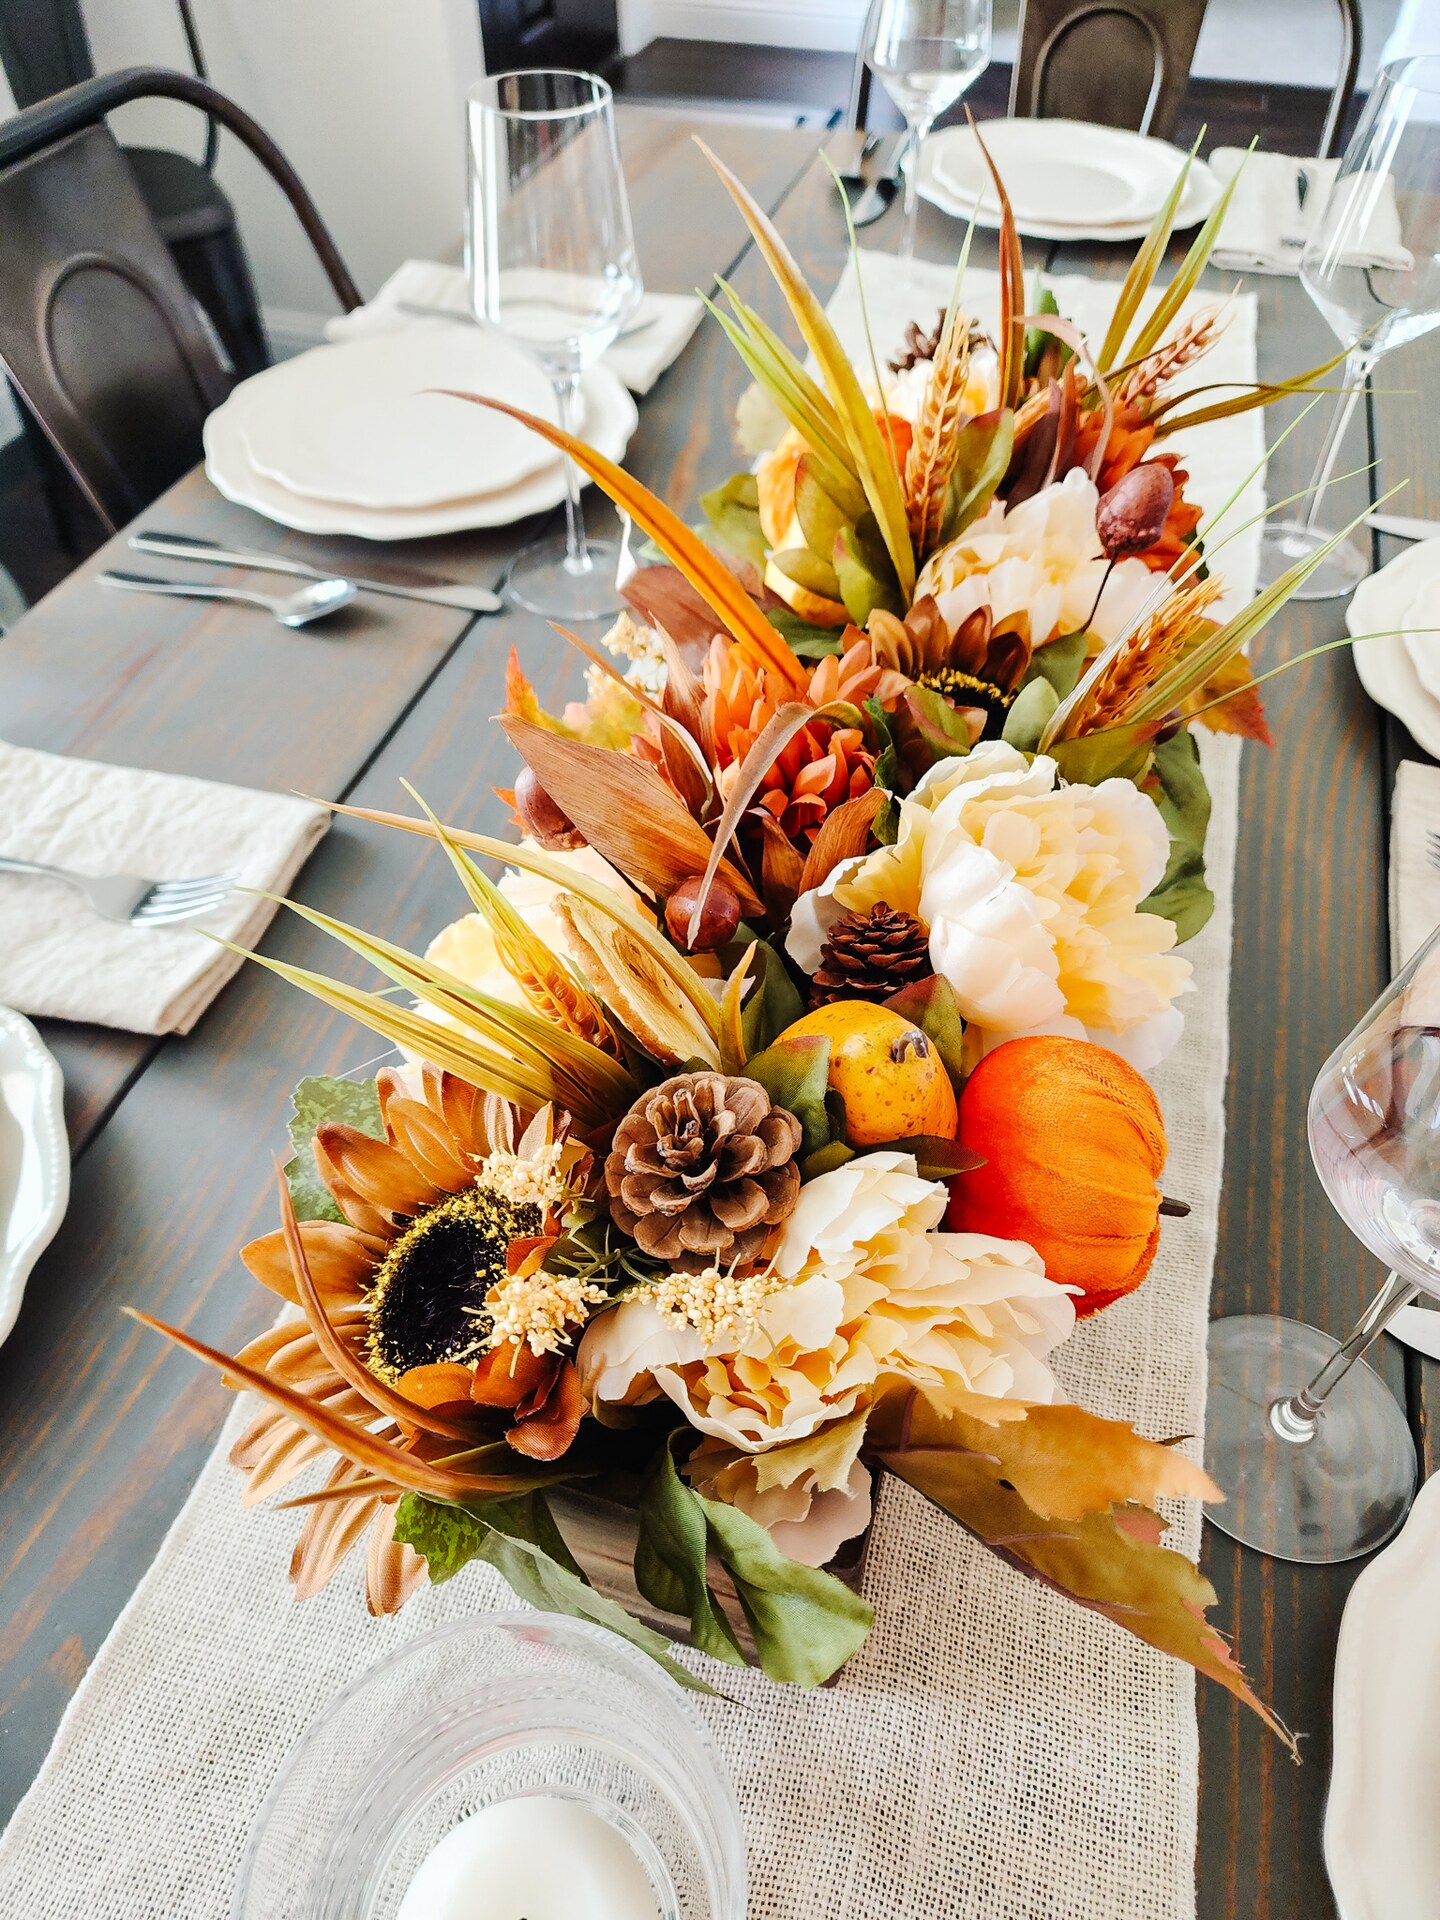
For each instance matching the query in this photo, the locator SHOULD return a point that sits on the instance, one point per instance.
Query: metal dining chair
(1119, 63)
(100, 335)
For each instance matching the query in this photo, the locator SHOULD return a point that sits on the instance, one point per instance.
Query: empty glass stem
(577, 555)
(916, 131)
(1357, 371)
(1296, 1418)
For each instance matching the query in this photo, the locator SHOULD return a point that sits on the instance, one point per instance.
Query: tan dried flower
(544, 1310)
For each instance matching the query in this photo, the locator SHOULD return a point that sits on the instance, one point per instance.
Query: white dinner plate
(1382, 1837)
(1067, 180)
(610, 419)
(34, 1157)
(356, 422)
(1390, 667)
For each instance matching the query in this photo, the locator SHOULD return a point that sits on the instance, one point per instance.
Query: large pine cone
(869, 956)
(702, 1167)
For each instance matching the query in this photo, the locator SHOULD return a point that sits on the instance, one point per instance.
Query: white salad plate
(34, 1157)
(1067, 180)
(357, 422)
(1400, 670)
(610, 420)
(1382, 1837)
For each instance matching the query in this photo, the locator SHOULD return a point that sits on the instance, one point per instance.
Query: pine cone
(919, 345)
(869, 956)
(702, 1167)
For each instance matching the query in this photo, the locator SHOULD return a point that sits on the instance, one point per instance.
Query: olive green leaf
(795, 1073)
(354, 1102)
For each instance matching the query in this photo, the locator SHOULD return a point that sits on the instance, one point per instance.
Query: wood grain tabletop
(102, 1430)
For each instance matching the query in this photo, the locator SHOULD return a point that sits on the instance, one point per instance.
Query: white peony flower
(863, 1289)
(1038, 568)
(1030, 892)
(811, 1496)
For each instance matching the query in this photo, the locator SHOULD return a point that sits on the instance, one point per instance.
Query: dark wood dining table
(103, 1429)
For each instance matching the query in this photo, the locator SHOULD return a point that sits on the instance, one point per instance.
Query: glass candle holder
(474, 1714)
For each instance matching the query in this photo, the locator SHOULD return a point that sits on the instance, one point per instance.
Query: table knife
(1403, 527)
(183, 546)
(1418, 1327)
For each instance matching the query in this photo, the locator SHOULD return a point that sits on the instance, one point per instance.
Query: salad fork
(127, 897)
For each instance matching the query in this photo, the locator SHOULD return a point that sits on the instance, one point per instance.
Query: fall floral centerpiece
(770, 1119)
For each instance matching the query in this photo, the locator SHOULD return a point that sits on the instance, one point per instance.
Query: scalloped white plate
(1387, 664)
(34, 1157)
(1382, 1839)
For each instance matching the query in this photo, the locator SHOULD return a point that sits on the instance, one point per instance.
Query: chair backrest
(1119, 63)
(1345, 85)
(98, 332)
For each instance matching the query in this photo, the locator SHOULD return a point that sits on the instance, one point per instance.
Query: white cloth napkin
(667, 319)
(1266, 225)
(59, 958)
(1414, 876)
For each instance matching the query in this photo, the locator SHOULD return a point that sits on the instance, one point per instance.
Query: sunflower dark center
(969, 690)
(428, 1301)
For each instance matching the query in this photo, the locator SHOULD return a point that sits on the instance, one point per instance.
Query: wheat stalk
(935, 447)
(1174, 355)
(557, 995)
(1155, 645)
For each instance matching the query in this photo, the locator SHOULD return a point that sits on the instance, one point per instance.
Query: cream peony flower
(1030, 892)
(811, 1496)
(1038, 567)
(466, 948)
(865, 1289)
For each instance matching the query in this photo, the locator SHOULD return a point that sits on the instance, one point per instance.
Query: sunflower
(403, 1360)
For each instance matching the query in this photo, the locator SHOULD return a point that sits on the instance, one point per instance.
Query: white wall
(831, 26)
(365, 97)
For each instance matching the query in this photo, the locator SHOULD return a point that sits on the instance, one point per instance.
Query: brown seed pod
(543, 820)
(1131, 516)
(719, 917)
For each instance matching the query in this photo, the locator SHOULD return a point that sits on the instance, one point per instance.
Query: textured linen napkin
(667, 319)
(1414, 876)
(1268, 221)
(59, 958)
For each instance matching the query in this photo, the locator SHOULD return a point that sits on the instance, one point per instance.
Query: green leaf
(1117, 752)
(354, 1102)
(886, 771)
(733, 511)
(985, 445)
(930, 1004)
(821, 518)
(937, 1158)
(1178, 788)
(826, 1159)
(927, 728)
(807, 570)
(808, 641)
(1026, 719)
(1059, 662)
(671, 1553)
(862, 587)
(773, 1003)
(795, 1073)
(532, 1559)
(806, 1623)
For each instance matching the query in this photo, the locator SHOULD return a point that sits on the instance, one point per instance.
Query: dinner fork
(1432, 848)
(128, 897)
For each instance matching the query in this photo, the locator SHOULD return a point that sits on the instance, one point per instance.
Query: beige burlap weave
(993, 1753)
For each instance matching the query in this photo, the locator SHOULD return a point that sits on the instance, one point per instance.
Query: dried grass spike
(934, 449)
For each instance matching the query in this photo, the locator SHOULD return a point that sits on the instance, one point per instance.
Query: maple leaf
(1064, 1496)
(1239, 709)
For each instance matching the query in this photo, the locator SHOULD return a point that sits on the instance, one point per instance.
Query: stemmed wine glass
(1375, 279)
(926, 53)
(551, 260)
(1308, 1444)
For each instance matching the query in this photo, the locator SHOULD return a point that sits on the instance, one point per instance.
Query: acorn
(1132, 515)
(542, 819)
(719, 917)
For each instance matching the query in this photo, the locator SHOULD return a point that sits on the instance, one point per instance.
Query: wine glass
(1308, 1445)
(1374, 276)
(926, 53)
(551, 262)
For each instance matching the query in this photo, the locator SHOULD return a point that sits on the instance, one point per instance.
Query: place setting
(759, 1209)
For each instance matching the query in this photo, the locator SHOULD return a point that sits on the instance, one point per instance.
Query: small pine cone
(919, 345)
(869, 956)
(702, 1167)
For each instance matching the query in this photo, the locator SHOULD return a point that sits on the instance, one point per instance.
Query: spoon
(291, 609)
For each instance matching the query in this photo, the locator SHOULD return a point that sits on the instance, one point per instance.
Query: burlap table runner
(993, 1753)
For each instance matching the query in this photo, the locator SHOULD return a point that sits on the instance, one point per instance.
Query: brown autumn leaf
(1092, 1535)
(1237, 706)
(844, 832)
(625, 810)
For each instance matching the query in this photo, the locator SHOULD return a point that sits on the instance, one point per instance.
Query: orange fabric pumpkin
(1073, 1144)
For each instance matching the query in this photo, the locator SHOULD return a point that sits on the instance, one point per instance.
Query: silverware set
(327, 594)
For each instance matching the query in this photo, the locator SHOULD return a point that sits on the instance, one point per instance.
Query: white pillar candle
(536, 1858)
